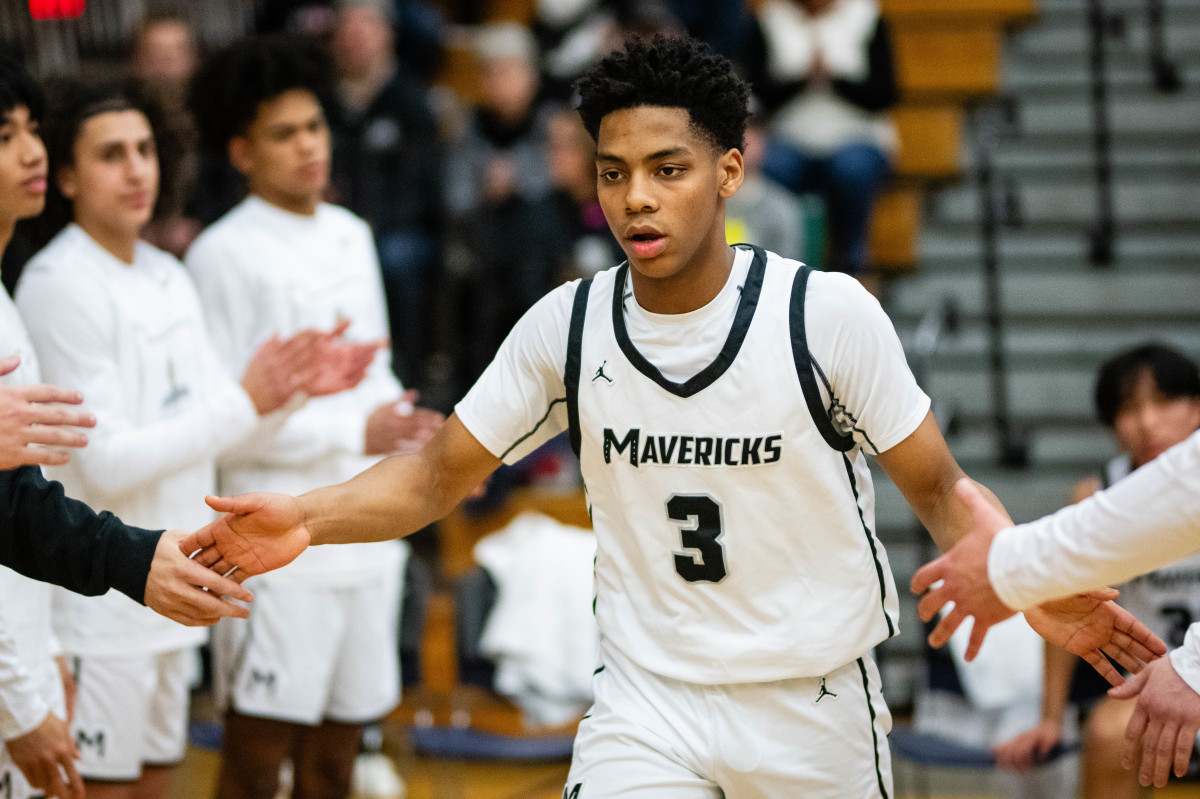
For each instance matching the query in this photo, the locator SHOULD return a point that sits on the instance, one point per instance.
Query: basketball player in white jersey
(723, 401)
(119, 320)
(284, 259)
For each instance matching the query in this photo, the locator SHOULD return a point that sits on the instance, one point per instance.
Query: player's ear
(68, 182)
(731, 169)
(240, 154)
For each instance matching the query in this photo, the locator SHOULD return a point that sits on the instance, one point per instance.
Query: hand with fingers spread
(1165, 721)
(1084, 624)
(960, 576)
(35, 422)
(185, 591)
(1091, 626)
(46, 755)
(256, 534)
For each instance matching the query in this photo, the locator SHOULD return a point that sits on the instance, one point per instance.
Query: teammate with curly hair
(723, 401)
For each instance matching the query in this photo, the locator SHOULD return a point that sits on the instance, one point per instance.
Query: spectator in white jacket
(119, 320)
(281, 260)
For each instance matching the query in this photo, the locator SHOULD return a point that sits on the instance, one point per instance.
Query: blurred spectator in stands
(165, 51)
(724, 24)
(417, 27)
(823, 70)
(505, 237)
(574, 34)
(590, 244)
(387, 168)
(164, 59)
(762, 212)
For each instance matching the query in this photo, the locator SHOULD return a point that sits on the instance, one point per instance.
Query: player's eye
(671, 171)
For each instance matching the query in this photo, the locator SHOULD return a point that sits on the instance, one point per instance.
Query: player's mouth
(647, 244)
(35, 184)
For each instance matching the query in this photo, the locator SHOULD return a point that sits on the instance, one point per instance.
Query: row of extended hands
(1166, 719)
(38, 425)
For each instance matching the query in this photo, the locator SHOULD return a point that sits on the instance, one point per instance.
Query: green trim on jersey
(874, 551)
(536, 427)
(862, 668)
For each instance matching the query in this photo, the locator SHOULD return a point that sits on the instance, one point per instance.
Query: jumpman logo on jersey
(600, 373)
(824, 692)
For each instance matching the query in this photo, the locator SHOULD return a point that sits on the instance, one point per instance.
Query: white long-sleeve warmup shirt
(132, 339)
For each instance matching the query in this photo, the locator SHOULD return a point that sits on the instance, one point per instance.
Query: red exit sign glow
(56, 9)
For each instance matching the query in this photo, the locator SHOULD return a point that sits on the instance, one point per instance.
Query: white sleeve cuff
(1005, 569)
(1186, 659)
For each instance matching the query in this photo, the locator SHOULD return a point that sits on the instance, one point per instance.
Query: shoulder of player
(833, 295)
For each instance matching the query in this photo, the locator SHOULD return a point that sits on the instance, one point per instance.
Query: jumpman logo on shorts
(824, 692)
(600, 373)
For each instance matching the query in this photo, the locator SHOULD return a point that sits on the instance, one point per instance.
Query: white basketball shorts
(131, 711)
(309, 654)
(651, 737)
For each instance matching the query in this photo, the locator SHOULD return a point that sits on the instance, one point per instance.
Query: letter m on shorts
(83, 740)
(573, 791)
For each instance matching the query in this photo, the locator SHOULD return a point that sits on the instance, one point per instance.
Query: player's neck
(301, 205)
(693, 286)
(117, 243)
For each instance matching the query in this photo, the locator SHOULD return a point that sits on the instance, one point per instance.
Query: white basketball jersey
(734, 523)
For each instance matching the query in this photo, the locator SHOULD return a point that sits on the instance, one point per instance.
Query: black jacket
(47, 536)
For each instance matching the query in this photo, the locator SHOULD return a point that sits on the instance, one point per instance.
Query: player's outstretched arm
(395, 497)
(35, 422)
(185, 591)
(1084, 624)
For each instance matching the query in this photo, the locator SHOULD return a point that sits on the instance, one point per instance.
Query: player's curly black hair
(17, 87)
(671, 73)
(228, 88)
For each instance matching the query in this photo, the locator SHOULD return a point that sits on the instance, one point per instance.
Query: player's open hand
(184, 591)
(256, 534)
(1090, 624)
(35, 422)
(1164, 724)
(960, 576)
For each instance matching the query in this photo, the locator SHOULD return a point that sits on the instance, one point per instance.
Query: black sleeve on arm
(878, 91)
(47, 536)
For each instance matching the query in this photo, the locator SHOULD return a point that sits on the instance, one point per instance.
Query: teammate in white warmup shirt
(723, 401)
(281, 260)
(120, 321)
(46, 535)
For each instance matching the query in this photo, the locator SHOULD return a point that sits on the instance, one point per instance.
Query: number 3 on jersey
(699, 516)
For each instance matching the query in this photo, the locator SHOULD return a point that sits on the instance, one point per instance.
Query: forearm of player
(401, 494)
(923, 469)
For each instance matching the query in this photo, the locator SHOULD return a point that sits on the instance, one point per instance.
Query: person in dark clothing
(387, 168)
(823, 71)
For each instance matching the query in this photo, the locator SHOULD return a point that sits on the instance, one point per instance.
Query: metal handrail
(1103, 233)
